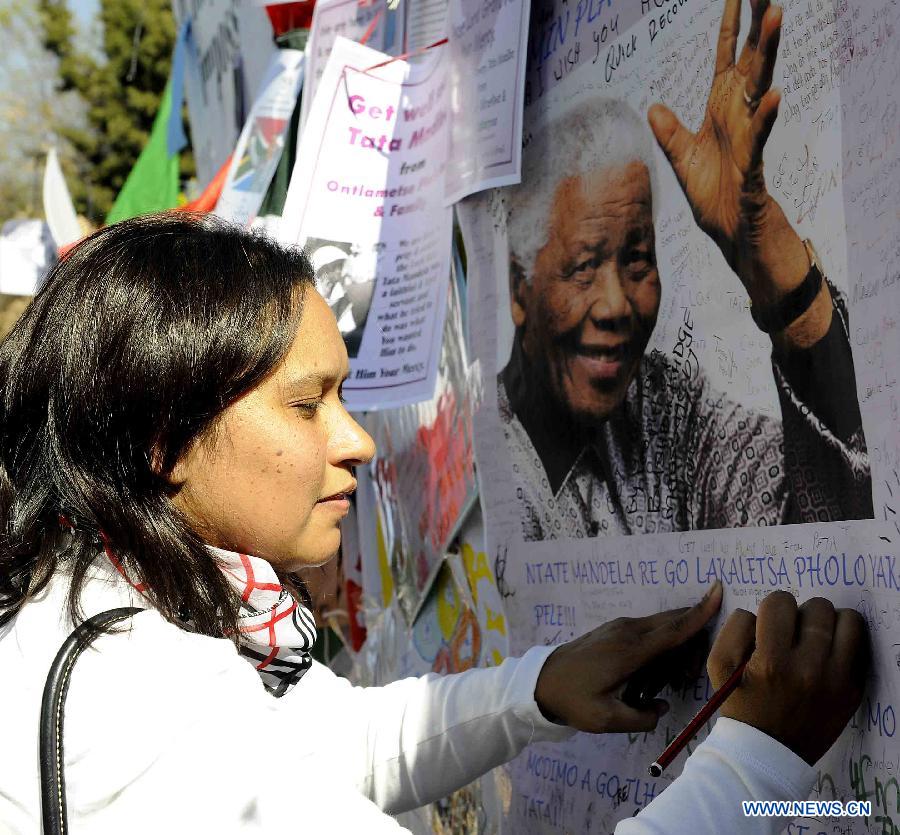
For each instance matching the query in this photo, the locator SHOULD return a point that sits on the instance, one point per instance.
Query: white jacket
(167, 731)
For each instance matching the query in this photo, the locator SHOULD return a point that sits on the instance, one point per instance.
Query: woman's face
(273, 478)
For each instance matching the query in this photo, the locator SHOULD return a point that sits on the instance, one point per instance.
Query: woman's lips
(340, 502)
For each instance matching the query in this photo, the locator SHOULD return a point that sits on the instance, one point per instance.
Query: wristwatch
(776, 317)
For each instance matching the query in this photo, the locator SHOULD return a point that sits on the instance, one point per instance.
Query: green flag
(152, 184)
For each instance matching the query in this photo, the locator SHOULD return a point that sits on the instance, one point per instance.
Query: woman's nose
(351, 443)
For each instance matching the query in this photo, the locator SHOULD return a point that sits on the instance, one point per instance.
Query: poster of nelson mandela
(622, 400)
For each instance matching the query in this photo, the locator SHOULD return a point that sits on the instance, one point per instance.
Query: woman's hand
(806, 675)
(720, 167)
(582, 682)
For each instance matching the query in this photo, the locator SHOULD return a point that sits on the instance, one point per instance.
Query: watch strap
(776, 317)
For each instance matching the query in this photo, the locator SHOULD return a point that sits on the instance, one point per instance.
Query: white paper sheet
(338, 18)
(426, 23)
(365, 200)
(488, 48)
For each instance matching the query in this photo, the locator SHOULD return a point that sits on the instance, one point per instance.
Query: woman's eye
(341, 393)
(309, 408)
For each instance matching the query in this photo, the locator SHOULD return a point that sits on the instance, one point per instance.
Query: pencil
(690, 731)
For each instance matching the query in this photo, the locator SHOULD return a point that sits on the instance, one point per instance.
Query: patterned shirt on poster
(677, 456)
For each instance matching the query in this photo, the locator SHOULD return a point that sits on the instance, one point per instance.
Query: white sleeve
(414, 741)
(736, 762)
(175, 733)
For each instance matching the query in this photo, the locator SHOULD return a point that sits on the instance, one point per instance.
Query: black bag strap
(53, 784)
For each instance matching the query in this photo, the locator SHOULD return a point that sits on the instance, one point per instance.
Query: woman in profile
(172, 437)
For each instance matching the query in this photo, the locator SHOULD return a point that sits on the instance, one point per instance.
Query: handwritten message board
(702, 464)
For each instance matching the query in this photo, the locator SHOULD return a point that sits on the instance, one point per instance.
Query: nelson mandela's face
(586, 316)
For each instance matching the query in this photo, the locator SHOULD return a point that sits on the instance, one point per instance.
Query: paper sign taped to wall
(366, 202)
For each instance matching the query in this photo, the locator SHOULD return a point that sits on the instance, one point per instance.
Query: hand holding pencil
(806, 674)
(795, 673)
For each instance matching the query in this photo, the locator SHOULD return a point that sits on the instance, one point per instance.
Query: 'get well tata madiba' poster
(366, 202)
(641, 434)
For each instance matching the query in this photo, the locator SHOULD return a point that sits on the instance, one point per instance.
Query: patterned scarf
(277, 632)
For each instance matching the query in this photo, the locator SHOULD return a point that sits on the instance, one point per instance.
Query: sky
(88, 31)
(84, 10)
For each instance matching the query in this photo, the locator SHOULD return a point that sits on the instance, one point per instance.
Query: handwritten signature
(500, 574)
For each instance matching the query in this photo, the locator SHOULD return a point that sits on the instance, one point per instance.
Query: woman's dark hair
(136, 342)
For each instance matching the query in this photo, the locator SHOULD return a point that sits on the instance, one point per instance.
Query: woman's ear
(177, 475)
(519, 292)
